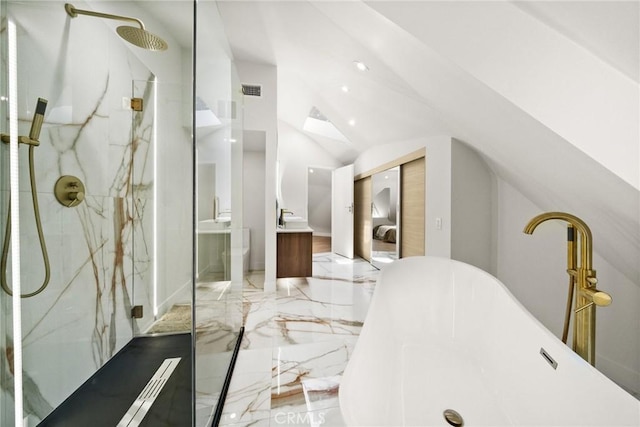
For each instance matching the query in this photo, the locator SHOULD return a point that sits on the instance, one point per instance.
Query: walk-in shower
(134, 35)
(116, 168)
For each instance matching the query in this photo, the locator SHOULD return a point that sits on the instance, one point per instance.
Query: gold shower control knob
(76, 198)
(69, 191)
(79, 196)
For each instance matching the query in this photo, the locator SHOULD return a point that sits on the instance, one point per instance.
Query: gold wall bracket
(137, 104)
(21, 139)
(137, 312)
(69, 191)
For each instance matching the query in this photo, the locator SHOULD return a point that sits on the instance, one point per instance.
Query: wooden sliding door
(362, 218)
(412, 211)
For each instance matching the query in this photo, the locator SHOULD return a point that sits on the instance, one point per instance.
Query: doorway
(319, 207)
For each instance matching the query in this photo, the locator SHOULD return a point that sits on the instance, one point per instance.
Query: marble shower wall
(101, 250)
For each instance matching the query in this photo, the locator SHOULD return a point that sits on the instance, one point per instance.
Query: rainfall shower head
(141, 38)
(137, 36)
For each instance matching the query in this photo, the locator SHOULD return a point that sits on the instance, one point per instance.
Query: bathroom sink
(295, 222)
(214, 224)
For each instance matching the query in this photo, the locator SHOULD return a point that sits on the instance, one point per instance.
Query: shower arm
(73, 12)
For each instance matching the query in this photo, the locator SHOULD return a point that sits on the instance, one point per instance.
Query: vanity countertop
(220, 231)
(294, 230)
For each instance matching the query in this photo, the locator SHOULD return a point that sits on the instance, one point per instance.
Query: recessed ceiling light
(345, 88)
(352, 122)
(361, 66)
(310, 170)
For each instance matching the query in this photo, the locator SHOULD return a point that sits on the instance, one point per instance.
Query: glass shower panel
(130, 240)
(218, 212)
(143, 201)
(162, 179)
(6, 376)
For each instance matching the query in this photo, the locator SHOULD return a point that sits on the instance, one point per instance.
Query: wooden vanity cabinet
(294, 254)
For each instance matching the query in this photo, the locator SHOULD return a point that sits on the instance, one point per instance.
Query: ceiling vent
(252, 90)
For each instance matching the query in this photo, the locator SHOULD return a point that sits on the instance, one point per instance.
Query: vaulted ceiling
(521, 50)
(546, 91)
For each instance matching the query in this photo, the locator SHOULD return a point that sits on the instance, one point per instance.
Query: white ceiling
(435, 70)
(314, 56)
(314, 44)
(609, 29)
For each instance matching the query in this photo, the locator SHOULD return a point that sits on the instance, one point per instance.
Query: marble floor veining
(297, 343)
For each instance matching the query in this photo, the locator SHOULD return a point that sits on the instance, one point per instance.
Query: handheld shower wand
(38, 119)
(32, 141)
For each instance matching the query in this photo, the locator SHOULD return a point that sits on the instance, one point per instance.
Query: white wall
(472, 207)
(260, 114)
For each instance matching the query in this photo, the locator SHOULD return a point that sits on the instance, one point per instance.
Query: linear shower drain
(145, 399)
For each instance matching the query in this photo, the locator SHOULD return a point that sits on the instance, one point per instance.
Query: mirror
(319, 201)
(253, 202)
(385, 216)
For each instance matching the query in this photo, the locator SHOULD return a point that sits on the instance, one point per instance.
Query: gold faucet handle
(76, 197)
(599, 298)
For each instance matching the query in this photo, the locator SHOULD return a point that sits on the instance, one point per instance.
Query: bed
(386, 233)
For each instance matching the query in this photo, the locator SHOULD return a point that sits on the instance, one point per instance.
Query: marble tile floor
(297, 343)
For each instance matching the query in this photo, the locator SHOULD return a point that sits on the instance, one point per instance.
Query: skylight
(204, 116)
(318, 124)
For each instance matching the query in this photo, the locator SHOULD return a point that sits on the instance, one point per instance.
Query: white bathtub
(441, 334)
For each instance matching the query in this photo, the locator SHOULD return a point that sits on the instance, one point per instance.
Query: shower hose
(7, 237)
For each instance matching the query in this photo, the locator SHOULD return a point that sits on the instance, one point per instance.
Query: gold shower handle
(69, 191)
(76, 198)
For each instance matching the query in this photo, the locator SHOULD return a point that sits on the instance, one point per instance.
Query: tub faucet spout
(581, 276)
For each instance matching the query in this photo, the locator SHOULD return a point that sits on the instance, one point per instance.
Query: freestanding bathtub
(441, 334)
